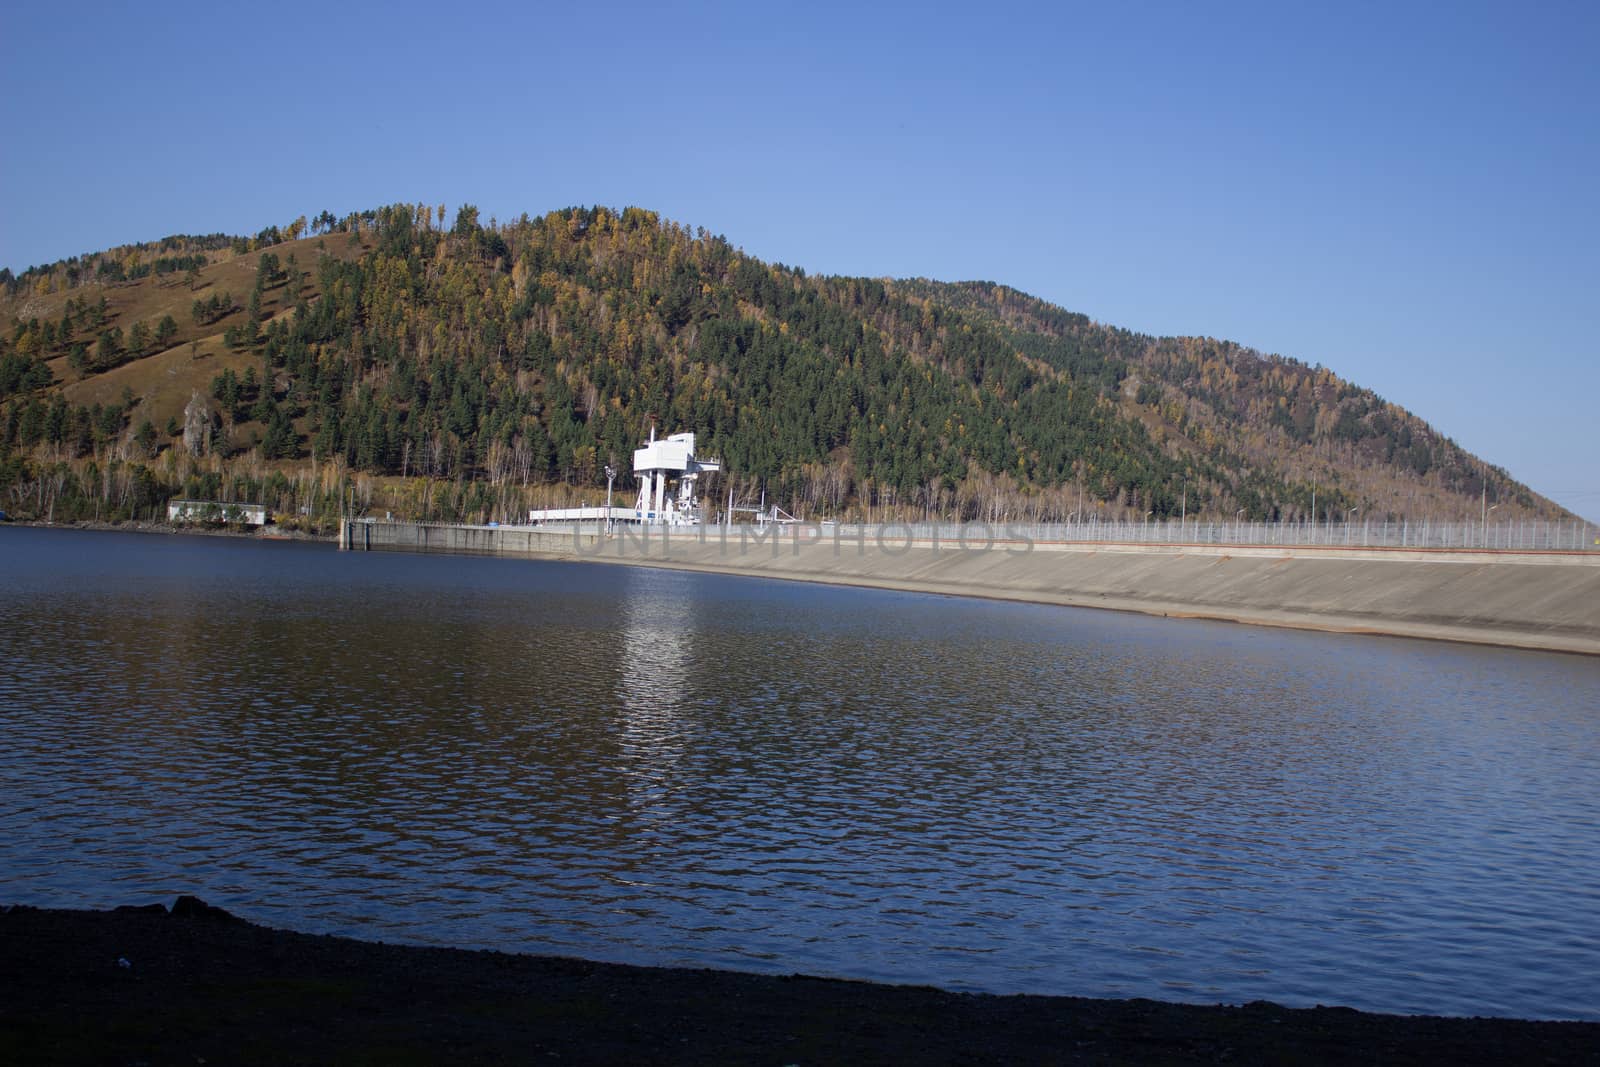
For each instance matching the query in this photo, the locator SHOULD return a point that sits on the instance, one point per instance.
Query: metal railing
(1511, 535)
(1527, 535)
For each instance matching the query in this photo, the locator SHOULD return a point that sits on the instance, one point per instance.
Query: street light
(1486, 525)
(611, 476)
(1347, 515)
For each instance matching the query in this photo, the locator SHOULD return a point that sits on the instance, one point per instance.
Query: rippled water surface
(661, 767)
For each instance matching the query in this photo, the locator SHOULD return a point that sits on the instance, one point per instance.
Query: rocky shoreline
(261, 533)
(197, 985)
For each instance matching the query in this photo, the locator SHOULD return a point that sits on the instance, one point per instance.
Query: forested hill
(1248, 418)
(468, 372)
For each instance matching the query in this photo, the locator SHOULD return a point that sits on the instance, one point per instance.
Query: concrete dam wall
(1543, 600)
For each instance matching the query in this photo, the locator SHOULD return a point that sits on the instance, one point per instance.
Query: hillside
(1236, 414)
(472, 371)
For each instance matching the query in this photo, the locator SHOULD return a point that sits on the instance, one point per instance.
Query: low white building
(600, 513)
(182, 511)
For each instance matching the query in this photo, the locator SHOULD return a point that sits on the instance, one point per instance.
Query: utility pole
(346, 510)
(1483, 521)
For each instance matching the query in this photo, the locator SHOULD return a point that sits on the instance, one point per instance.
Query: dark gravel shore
(197, 986)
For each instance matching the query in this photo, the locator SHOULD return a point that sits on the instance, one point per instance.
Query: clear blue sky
(1407, 194)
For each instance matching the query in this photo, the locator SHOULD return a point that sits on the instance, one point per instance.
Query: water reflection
(672, 768)
(658, 630)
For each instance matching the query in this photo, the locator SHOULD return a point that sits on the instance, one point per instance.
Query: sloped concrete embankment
(1519, 599)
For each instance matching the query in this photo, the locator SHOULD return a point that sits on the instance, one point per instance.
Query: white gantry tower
(670, 459)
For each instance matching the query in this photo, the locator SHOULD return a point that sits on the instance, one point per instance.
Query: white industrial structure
(655, 464)
(659, 462)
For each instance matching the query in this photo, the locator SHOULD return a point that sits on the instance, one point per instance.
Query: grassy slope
(164, 380)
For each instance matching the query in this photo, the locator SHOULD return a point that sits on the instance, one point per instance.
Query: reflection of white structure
(657, 463)
(654, 681)
(658, 645)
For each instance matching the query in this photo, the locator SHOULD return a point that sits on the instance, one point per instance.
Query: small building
(186, 511)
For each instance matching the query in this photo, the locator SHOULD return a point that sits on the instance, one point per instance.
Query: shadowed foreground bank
(202, 987)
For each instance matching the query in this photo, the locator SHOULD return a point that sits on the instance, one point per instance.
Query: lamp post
(611, 476)
(1347, 515)
(1486, 524)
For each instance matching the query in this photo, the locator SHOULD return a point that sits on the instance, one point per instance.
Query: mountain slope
(465, 373)
(1245, 411)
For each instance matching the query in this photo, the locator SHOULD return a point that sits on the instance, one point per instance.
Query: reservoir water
(660, 767)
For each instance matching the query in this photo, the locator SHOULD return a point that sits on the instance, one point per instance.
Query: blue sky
(1403, 193)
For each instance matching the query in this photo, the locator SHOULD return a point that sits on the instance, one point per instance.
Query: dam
(1344, 580)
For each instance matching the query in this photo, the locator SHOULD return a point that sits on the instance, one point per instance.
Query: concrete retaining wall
(1524, 599)
(465, 540)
